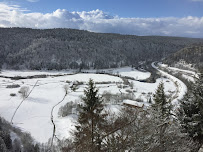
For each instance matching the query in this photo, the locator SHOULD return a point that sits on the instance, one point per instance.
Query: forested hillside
(192, 55)
(22, 48)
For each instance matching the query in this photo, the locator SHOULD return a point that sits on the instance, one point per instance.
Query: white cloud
(95, 14)
(32, 0)
(98, 21)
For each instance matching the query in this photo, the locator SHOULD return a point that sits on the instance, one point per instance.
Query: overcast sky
(137, 17)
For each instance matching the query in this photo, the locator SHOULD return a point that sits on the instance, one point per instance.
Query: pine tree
(7, 139)
(162, 105)
(91, 121)
(191, 111)
(161, 111)
(2, 146)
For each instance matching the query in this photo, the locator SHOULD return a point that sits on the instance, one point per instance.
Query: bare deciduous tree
(24, 91)
(66, 87)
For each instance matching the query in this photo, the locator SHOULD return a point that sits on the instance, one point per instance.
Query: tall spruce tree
(161, 111)
(162, 104)
(91, 121)
(191, 111)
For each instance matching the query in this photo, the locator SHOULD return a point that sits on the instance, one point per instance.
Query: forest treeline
(192, 55)
(23, 48)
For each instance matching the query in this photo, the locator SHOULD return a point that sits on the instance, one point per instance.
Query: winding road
(181, 87)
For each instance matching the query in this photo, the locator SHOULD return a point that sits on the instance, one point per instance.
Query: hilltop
(35, 49)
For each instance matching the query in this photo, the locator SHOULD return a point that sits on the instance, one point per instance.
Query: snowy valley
(34, 114)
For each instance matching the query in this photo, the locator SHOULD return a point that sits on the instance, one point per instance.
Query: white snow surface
(135, 103)
(34, 115)
(131, 72)
(125, 71)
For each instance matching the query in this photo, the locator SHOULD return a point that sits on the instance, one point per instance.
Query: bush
(68, 108)
(120, 86)
(103, 82)
(16, 78)
(79, 82)
(116, 98)
(68, 81)
(131, 85)
(125, 86)
(139, 100)
(13, 86)
(107, 96)
(129, 91)
(75, 85)
(135, 90)
(125, 81)
(12, 94)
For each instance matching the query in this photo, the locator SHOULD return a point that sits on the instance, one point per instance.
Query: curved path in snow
(181, 87)
(22, 102)
(52, 119)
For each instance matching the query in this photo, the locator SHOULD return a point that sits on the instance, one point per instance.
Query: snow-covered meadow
(34, 114)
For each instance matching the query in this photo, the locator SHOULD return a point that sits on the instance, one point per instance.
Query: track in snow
(22, 102)
(52, 119)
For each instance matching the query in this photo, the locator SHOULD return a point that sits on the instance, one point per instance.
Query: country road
(181, 87)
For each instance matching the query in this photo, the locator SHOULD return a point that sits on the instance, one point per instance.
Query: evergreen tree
(191, 111)
(7, 139)
(2, 145)
(91, 121)
(161, 111)
(162, 105)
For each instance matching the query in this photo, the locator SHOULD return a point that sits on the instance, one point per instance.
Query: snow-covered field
(34, 115)
(130, 72)
(125, 71)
